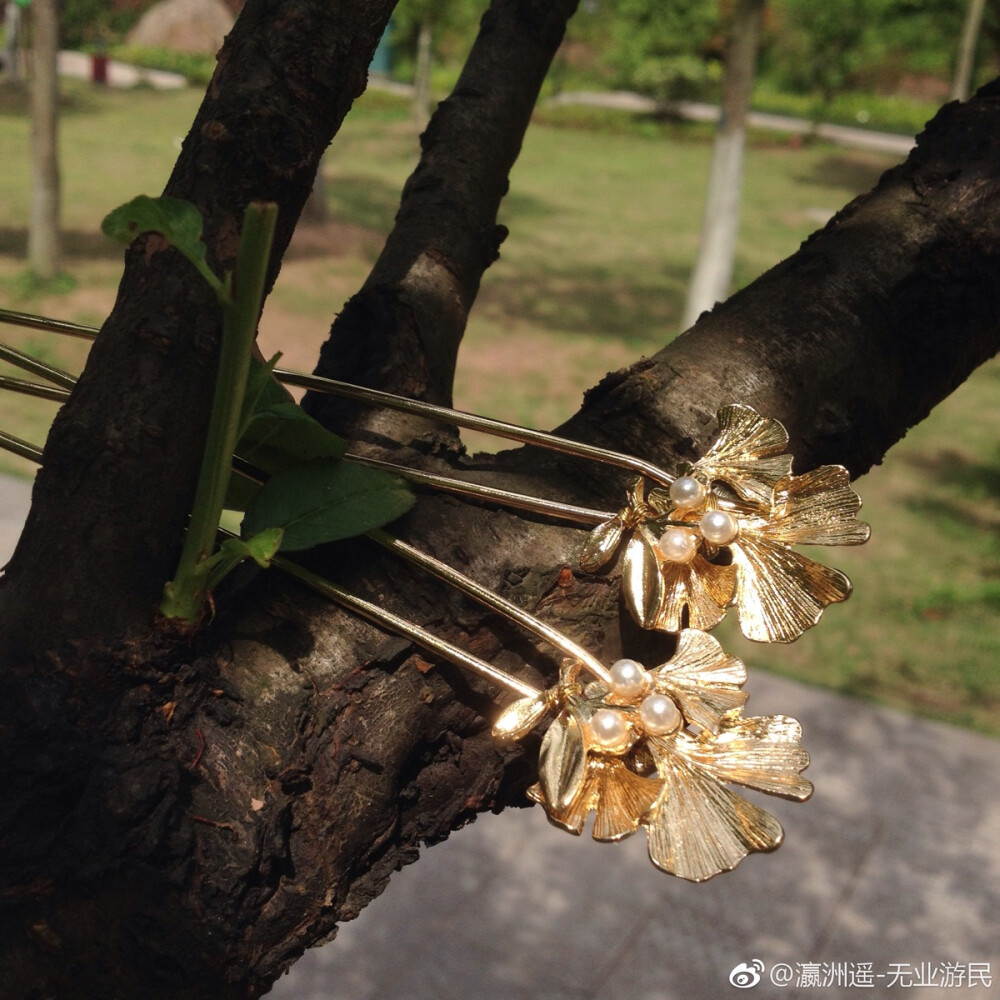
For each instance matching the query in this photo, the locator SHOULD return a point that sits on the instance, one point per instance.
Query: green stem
(184, 596)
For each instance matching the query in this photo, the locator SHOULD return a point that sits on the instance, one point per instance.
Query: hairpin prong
(31, 364)
(26, 388)
(407, 629)
(372, 612)
(582, 516)
(432, 411)
(490, 494)
(17, 446)
(487, 597)
(48, 324)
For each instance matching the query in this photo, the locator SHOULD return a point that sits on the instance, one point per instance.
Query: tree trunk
(422, 75)
(43, 232)
(967, 51)
(12, 32)
(713, 271)
(315, 209)
(183, 819)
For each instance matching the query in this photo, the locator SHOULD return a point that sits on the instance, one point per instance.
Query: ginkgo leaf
(748, 454)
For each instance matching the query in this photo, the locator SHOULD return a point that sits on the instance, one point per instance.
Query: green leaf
(275, 434)
(176, 220)
(260, 547)
(283, 435)
(259, 380)
(326, 500)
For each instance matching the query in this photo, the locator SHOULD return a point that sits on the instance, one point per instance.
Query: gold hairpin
(652, 748)
(655, 748)
(573, 513)
(722, 535)
(403, 404)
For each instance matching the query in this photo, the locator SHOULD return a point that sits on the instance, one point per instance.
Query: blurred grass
(604, 214)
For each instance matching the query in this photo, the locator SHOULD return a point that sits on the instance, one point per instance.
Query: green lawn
(604, 224)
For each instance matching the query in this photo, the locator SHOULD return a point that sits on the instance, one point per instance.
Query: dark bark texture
(182, 821)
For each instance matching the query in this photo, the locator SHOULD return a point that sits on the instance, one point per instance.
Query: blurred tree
(429, 31)
(43, 229)
(9, 61)
(965, 63)
(85, 22)
(821, 46)
(667, 50)
(713, 270)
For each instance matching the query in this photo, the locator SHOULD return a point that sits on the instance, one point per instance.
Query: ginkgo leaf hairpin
(719, 535)
(739, 501)
(652, 748)
(656, 749)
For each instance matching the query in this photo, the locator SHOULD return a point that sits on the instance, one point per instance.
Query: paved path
(895, 862)
(80, 66)
(842, 135)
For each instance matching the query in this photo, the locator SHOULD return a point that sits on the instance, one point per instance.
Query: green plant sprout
(312, 497)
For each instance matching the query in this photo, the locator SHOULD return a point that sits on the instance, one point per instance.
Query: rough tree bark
(183, 821)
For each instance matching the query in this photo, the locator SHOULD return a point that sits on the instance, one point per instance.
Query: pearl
(718, 527)
(659, 715)
(628, 678)
(686, 492)
(609, 729)
(678, 545)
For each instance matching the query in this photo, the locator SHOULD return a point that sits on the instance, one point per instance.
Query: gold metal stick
(474, 422)
(583, 516)
(407, 629)
(17, 446)
(468, 586)
(376, 397)
(21, 385)
(45, 323)
(25, 361)
(504, 498)
(380, 616)
(486, 596)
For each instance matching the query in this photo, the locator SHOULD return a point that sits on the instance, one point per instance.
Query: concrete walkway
(890, 873)
(80, 66)
(841, 135)
(888, 884)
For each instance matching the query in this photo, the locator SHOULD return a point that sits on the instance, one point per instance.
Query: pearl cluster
(717, 527)
(658, 713)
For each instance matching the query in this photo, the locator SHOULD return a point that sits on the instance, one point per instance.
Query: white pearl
(608, 728)
(718, 527)
(628, 678)
(678, 545)
(659, 715)
(686, 492)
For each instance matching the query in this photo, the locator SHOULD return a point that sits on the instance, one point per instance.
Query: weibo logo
(746, 975)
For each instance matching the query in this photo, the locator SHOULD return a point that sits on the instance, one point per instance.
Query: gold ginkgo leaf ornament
(723, 536)
(658, 749)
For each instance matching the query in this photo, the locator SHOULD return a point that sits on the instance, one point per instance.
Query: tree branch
(122, 457)
(233, 806)
(402, 331)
